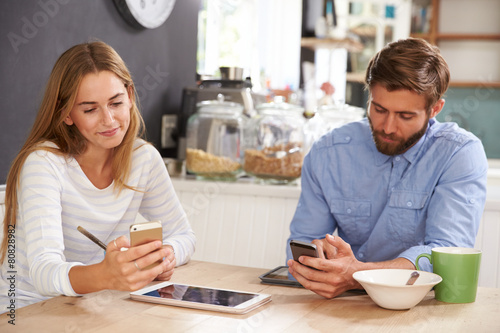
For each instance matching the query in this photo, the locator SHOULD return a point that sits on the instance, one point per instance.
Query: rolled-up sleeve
(312, 218)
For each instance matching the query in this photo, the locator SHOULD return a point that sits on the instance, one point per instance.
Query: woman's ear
(131, 96)
(68, 120)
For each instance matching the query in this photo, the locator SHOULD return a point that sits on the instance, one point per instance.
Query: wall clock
(145, 13)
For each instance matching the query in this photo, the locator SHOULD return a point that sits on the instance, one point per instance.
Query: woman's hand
(169, 269)
(124, 269)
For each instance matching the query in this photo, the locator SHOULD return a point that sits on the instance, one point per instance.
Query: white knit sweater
(55, 197)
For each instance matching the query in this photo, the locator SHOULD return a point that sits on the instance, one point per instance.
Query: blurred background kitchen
(266, 71)
(289, 48)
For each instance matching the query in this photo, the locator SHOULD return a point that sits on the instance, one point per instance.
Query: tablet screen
(202, 295)
(280, 274)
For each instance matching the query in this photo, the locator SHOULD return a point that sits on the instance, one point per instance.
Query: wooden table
(291, 310)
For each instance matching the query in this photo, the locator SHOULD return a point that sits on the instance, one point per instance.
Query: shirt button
(409, 203)
(347, 138)
(472, 201)
(398, 158)
(348, 210)
(360, 255)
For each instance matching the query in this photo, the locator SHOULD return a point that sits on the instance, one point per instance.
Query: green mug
(459, 268)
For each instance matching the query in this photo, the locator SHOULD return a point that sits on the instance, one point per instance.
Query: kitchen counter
(247, 186)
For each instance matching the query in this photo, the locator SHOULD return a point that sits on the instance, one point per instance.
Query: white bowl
(387, 287)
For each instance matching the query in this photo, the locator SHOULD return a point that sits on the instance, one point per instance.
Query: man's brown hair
(411, 64)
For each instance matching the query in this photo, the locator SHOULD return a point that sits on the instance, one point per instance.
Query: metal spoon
(413, 277)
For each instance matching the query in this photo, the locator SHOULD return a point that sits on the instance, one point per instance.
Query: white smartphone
(142, 233)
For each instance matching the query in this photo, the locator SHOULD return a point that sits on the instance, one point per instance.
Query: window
(261, 36)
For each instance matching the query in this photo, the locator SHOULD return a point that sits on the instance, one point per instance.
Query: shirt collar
(378, 156)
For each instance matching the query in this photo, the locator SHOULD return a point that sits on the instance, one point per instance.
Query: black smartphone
(300, 248)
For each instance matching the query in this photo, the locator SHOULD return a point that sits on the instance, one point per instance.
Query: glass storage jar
(328, 117)
(276, 139)
(213, 140)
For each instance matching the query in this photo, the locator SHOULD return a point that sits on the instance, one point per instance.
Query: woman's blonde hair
(59, 99)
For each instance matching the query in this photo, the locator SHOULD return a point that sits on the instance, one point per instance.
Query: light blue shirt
(387, 207)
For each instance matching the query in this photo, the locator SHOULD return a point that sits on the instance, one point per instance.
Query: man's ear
(436, 108)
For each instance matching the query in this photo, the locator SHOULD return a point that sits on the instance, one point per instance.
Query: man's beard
(401, 145)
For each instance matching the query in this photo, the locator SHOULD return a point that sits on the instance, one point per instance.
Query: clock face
(145, 13)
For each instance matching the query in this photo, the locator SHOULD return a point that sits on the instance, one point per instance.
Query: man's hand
(334, 268)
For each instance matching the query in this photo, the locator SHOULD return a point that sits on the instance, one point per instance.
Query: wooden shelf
(434, 37)
(442, 36)
(472, 84)
(358, 77)
(370, 31)
(450, 36)
(427, 37)
(331, 43)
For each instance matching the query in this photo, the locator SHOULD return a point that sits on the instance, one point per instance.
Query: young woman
(84, 164)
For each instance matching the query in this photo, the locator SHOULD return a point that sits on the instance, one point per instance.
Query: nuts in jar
(200, 162)
(269, 163)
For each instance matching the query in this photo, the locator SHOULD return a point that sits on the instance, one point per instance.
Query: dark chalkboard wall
(33, 33)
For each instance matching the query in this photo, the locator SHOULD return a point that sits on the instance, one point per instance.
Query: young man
(394, 185)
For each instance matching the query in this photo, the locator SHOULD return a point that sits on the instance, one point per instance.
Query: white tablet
(198, 297)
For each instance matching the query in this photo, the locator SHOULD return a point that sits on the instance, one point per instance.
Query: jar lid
(219, 106)
(343, 111)
(341, 108)
(331, 107)
(279, 106)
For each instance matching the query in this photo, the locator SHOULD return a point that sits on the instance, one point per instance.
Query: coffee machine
(237, 91)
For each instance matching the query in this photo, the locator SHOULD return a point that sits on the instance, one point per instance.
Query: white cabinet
(239, 223)
(247, 224)
(488, 238)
